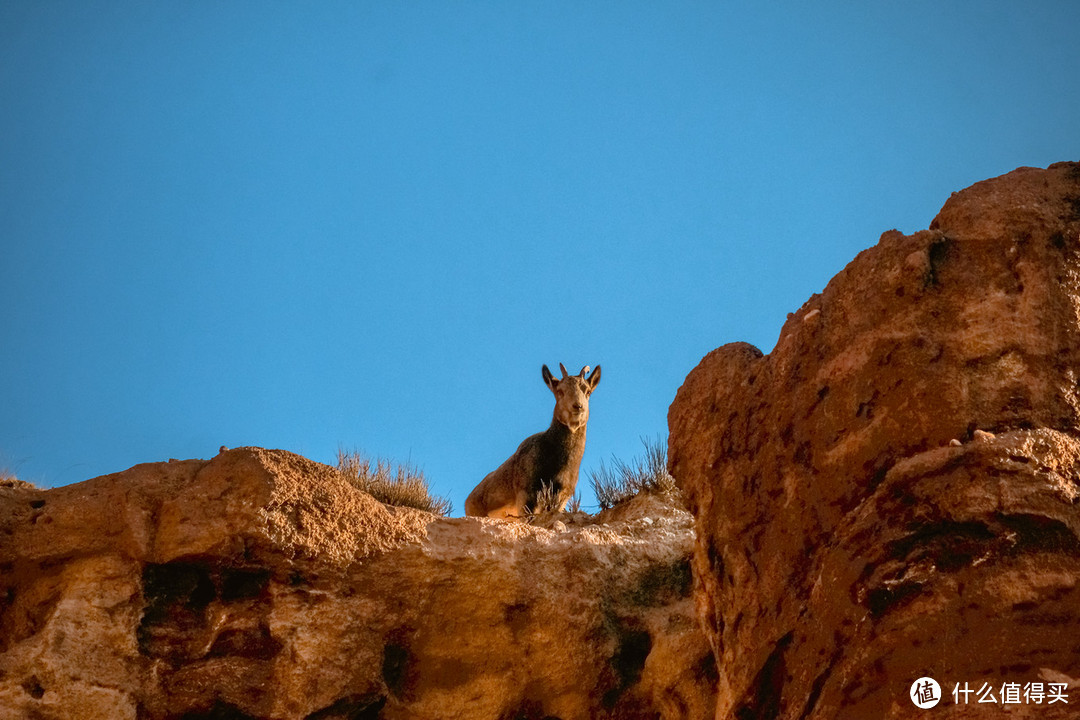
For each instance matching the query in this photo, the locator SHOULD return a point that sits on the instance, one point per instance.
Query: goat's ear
(549, 379)
(594, 379)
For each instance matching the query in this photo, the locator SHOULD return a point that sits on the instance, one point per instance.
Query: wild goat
(546, 460)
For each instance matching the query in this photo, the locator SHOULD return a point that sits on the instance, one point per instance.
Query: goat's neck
(558, 456)
(565, 435)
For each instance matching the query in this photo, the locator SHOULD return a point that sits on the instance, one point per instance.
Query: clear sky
(367, 225)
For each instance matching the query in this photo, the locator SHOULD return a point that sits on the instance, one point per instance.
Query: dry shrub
(8, 480)
(623, 480)
(575, 504)
(547, 502)
(403, 484)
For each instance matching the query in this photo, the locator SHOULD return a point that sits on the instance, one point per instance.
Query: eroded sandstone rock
(893, 492)
(262, 585)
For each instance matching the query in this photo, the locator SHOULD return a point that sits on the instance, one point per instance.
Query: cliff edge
(260, 584)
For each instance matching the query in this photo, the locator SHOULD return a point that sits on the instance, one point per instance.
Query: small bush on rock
(624, 480)
(8, 480)
(402, 485)
(547, 503)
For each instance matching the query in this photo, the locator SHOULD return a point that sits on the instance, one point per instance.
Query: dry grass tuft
(401, 485)
(547, 510)
(547, 502)
(625, 480)
(575, 504)
(8, 480)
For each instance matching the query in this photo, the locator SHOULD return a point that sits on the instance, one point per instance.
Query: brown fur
(552, 457)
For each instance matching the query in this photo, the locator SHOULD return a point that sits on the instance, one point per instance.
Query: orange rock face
(892, 493)
(262, 585)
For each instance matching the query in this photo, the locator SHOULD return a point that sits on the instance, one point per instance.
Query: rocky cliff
(260, 584)
(892, 492)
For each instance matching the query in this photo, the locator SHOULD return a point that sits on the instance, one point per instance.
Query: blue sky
(316, 225)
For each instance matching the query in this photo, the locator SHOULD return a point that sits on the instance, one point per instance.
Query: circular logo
(925, 692)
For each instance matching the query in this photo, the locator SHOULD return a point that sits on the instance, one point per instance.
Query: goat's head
(572, 394)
